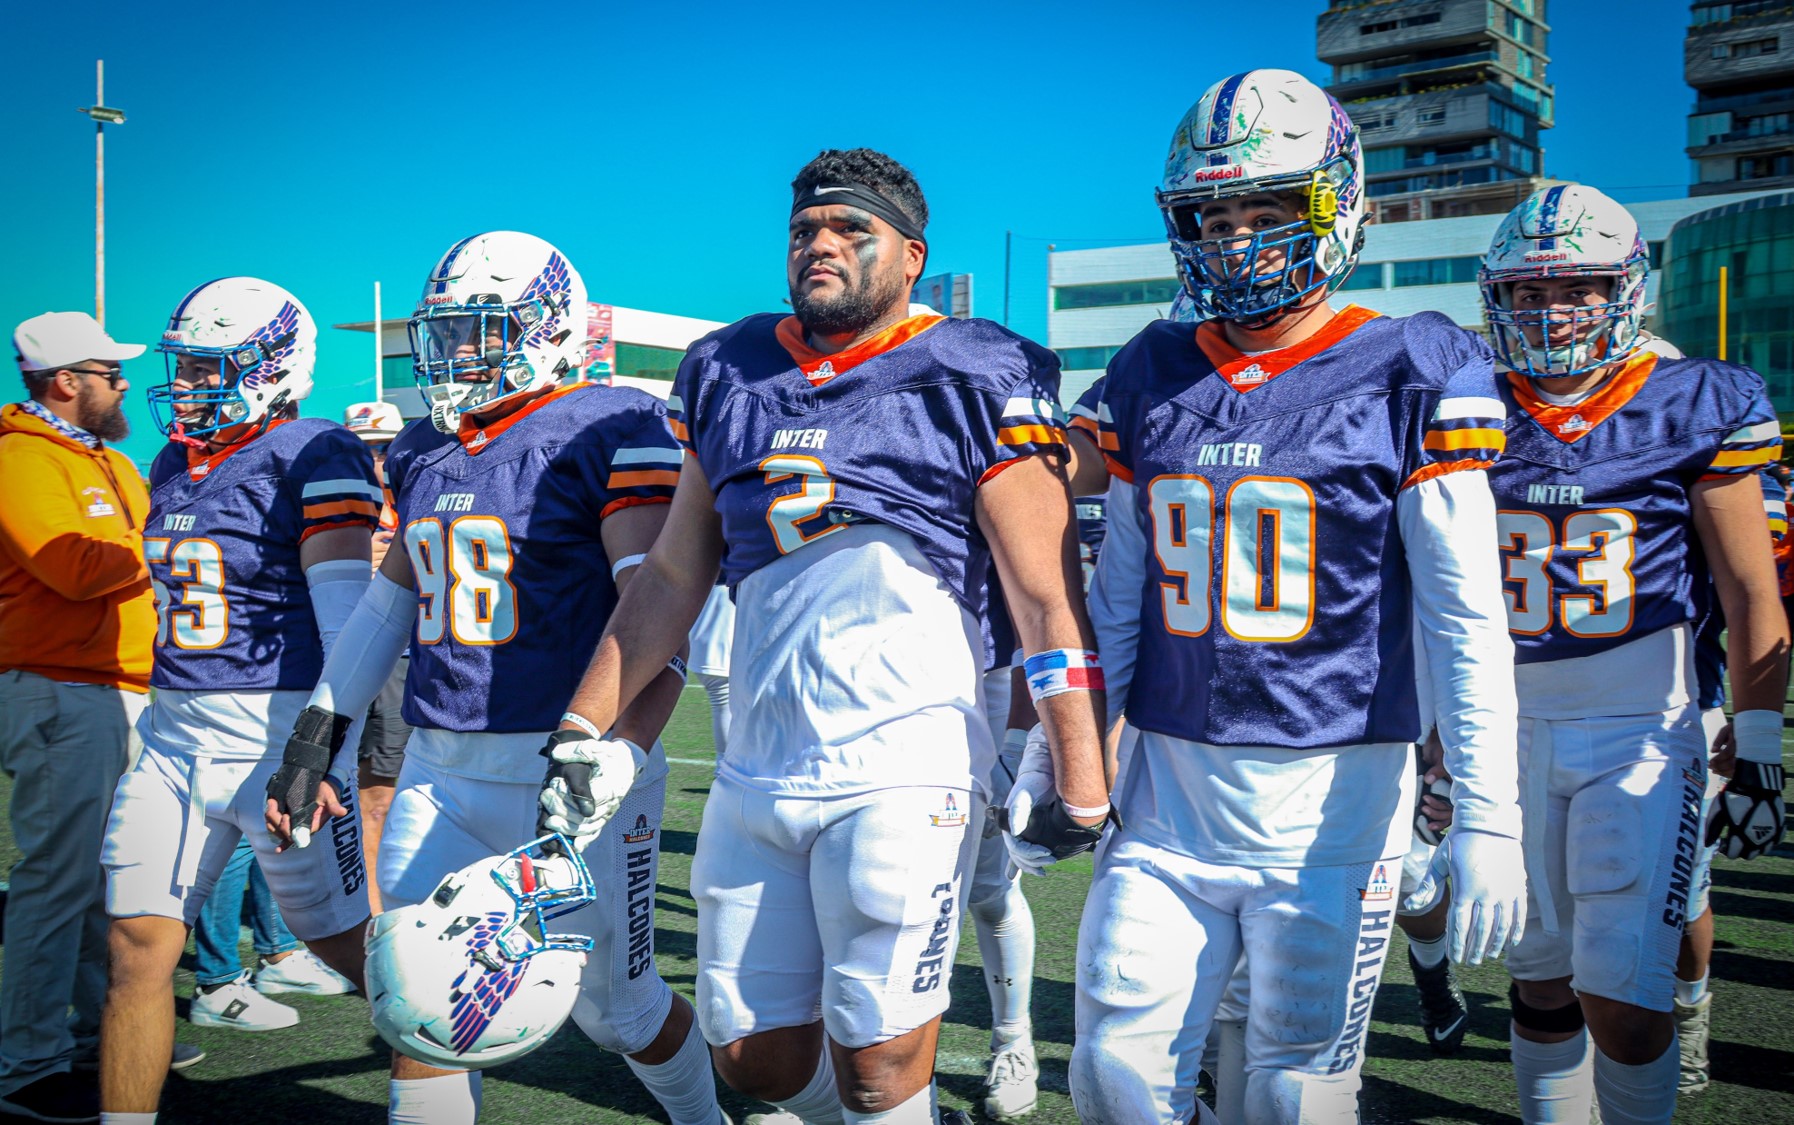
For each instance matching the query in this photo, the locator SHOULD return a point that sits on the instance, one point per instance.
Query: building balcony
(1355, 76)
(1368, 31)
(1739, 51)
(1729, 187)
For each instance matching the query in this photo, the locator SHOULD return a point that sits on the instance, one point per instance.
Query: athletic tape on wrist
(584, 724)
(1059, 670)
(1758, 736)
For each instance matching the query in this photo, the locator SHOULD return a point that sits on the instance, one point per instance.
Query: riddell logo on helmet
(1210, 175)
(439, 299)
(173, 334)
(1547, 256)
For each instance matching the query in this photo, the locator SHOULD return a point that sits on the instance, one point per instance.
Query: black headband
(866, 198)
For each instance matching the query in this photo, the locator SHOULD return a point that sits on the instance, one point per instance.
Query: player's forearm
(642, 721)
(1448, 533)
(649, 626)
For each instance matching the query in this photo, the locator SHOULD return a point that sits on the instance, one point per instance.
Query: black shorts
(383, 738)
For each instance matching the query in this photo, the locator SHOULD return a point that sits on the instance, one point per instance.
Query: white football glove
(587, 779)
(1748, 817)
(1486, 875)
(1036, 828)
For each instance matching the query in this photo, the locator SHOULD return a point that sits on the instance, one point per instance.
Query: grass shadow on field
(1387, 1103)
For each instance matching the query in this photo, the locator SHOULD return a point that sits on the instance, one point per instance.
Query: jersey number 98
(1266, 526)
(463, 580)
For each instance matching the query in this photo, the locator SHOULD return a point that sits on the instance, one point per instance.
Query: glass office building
(1754, 240)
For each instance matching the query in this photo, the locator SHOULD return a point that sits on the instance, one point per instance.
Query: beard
(857, 308)
(108, 423)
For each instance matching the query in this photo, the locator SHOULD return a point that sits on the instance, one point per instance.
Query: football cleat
(1011, 1084)
(472, 977)
(1444, 1016)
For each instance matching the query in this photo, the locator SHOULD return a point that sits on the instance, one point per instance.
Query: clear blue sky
(325, 146)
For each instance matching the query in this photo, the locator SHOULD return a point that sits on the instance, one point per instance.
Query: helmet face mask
(1265, 132)
(503, 313)
(1555, 238)
(472, 976)
(236, 352)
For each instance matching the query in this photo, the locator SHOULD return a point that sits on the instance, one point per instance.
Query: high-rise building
(1449, 97)
(1739, 57)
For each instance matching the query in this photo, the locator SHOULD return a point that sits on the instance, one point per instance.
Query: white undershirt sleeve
(336, 587)
(1448, 530)
(372, 640)
(1114, 597)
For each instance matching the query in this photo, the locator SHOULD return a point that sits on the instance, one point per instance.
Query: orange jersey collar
(200, 464)
(475, 437)
(819, 367)
(1570, 423)
(1245, 372)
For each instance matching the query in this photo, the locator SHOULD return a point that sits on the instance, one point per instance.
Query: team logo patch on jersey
(641, 833)
(1379, 888)
(1250, 376)
(478, 440)
(950, 816)
(1575, 424)
(97, 504)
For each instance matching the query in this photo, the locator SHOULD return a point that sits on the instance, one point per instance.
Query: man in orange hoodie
(77, 617)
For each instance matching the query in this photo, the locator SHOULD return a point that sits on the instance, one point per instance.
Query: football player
(855, 470)
(258, 548)
(525, 506)
(1624, 471)
(1298, 503)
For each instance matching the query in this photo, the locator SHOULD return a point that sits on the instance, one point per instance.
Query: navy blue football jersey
(233, 609)
(1276, 605)
(502, 524)
(900, 430)
(1093, 526)
(1597, 539)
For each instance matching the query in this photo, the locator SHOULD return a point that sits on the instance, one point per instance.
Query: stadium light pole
(379, 376)
(102, 115)
(1008, 240)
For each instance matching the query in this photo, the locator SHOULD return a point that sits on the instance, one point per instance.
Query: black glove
(1052, 828)
(317, 736)
(1748, 818)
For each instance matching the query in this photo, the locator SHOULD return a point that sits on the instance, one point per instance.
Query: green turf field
(331, 1067)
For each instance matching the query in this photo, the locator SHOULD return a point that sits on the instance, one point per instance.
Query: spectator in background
(383, 738)
(77, 618)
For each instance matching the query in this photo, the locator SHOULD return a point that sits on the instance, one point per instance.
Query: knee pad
(623, 1032)
(1566, 1020)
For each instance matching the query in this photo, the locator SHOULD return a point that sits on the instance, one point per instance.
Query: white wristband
(1080, 810)
(584, 724)
(625, 563)
(1758, 736)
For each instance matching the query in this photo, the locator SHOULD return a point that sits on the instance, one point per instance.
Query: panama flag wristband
(1059, 670)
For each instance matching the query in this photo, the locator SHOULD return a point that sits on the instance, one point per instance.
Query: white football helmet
(1570, 230)
(1264, 131)
(471, 977)
(263, 342)
(503, 313)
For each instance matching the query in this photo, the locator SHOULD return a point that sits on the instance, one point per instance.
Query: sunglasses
(112, 375)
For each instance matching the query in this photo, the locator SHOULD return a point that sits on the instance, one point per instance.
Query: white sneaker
(1011, 1084)
(239, 1006)
(300, 972)
(776, 1117)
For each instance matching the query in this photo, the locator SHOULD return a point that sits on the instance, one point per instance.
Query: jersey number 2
(201, 619)
(463, 580)
(1267, 555)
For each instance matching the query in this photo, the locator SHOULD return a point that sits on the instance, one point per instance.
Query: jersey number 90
(463, 580)
(1266, 528)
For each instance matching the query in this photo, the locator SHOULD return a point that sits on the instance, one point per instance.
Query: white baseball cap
(60, 339)
(374, 421)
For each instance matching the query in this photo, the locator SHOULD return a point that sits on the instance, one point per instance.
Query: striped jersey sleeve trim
(1030, 409)
(622, 502)
(347, 487)
(1469, 438)
(1440, 468)
(1731, 461)
(1754, 434)
(648, 455)
(674, 402)
(644, 478)
(1469, 407)
(1031, 435)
